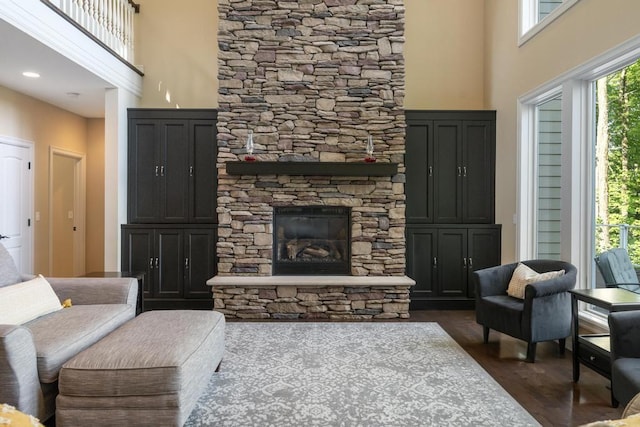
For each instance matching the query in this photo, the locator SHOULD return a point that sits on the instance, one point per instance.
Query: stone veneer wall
(311, 79)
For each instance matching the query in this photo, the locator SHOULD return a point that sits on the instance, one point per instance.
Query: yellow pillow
(523, 275)
(25, 301)
(11, 416)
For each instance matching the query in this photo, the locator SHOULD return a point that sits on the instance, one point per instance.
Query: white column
(115, 170)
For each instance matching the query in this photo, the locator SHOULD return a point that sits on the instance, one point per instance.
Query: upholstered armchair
(617, 270)
(624, 328)
(541, 313)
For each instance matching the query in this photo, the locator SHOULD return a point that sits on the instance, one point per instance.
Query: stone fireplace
(312, 80)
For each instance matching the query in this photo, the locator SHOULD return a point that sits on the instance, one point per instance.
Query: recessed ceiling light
(31, 74)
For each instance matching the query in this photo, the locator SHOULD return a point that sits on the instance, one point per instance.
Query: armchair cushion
(23, 302)
(9, 273)
(524, 275)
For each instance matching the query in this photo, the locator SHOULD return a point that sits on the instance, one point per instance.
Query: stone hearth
(312, 297)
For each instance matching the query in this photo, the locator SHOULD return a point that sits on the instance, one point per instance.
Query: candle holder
(369, 157)
(249, 146)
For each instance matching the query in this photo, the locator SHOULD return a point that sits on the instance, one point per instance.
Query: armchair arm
(493, 280)
(624, 328)
(19, 370)
(96, 290)
(552, 286)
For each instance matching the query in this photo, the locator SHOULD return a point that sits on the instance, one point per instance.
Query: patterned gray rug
(351, 374)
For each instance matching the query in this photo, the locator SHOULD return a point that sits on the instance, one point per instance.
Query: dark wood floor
(544, 388)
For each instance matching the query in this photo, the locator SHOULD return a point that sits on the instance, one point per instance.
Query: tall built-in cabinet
(450, 190)
(171, 230)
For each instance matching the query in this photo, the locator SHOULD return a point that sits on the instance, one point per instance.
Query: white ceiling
(60, 79)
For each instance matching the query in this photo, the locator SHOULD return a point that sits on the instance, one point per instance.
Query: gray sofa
(32, 354)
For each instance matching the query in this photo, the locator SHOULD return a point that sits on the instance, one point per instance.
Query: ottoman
(149, 372)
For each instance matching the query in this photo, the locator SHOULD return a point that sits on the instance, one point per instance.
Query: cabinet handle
(157, 167)
(435, 261)
(464, 262)
(151, 263)
(459, 171)
(186, 263)
(161, 170)
(464, 171)
(430, 170)
(157, 263)
(190, 170)
(470, 262)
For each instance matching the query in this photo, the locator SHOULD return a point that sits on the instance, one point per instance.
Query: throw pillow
(26, 301)
(524, 275)
(9, 273)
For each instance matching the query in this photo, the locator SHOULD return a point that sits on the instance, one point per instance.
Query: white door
(16, 200)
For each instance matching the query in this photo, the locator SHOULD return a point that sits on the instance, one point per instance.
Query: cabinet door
(138, 255)
(174, 171)
(170, 269)
(447, 169)
(484, 250)
(421, 253)
(452, 267)
(200, 262)
(419, 164)
(144, 160)
(478, 171)
(203, 171)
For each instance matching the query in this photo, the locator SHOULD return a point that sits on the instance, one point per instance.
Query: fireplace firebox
(311, 240)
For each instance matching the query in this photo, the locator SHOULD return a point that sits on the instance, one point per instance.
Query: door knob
(3, 237)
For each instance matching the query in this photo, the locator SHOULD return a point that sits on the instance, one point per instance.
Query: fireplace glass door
(312, 240)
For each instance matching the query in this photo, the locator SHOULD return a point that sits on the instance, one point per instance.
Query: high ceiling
(62, 82)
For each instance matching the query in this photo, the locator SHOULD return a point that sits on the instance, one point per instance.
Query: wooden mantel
(312, 168)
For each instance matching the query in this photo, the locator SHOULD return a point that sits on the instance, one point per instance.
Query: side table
(593, 350)
(139, 275)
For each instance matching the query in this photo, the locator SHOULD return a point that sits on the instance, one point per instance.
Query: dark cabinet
(450, 205)
(450, 161)
(442, 258)
(172, 166)
(177, 262)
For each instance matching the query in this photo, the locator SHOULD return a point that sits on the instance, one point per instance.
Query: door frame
(79, 207)
(27, 264)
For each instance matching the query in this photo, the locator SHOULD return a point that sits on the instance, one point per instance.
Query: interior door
(16, 194)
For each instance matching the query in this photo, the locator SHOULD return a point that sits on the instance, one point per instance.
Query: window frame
(528, 23)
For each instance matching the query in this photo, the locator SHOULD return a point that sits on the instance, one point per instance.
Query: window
(564, 128)
(616, 161)
(537, 14)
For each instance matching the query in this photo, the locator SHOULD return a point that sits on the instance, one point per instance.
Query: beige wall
(94, 260)
(585, 31)
(176, 44)
(46, 126)
(444, 54)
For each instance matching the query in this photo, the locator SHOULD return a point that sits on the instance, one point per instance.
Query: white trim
(30, 194)
(528, 25)
(79, 201)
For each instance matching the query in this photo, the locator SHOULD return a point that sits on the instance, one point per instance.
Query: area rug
(351, 374)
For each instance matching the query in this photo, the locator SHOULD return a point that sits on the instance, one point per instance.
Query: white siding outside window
(549, 175)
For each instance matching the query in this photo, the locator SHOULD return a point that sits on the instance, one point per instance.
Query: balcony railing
(619, 235)
(110, 22)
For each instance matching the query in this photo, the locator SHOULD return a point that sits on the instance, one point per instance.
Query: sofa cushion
(61, 335)
(9, 273)
(524, 275)
(25, 301)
